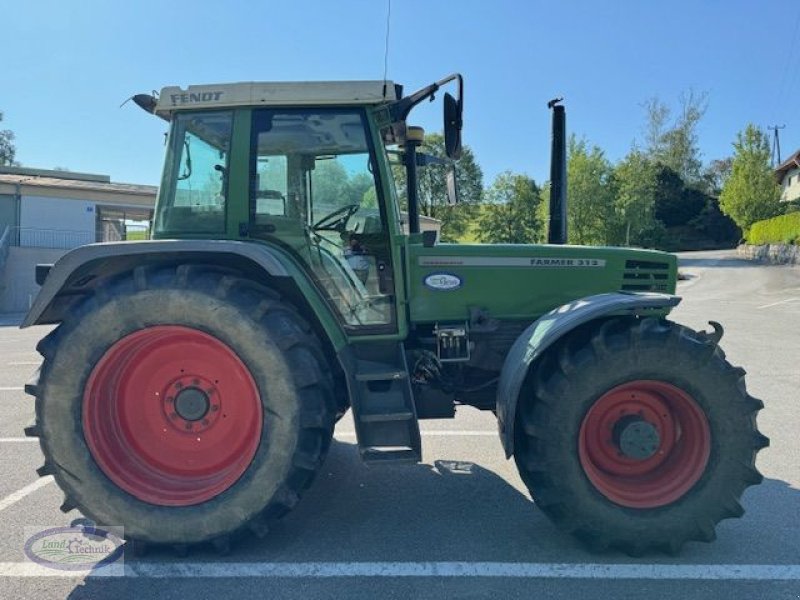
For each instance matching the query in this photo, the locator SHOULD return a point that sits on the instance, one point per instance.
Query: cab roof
(286, 93)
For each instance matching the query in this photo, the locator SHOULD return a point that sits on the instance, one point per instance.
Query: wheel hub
(192, 404)
(644, 444)
(172, 415)
(636, 438)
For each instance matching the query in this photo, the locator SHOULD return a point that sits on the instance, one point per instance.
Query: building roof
(66, 180)
(280, 93)
(793, 162)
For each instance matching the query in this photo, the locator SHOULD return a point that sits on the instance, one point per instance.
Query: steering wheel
(337, 220)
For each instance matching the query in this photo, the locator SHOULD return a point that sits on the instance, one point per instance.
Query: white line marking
(204, 570)
(12, 499)
(12, 389)
(18, 440)
(435, 433)
(25, 363)
(777, 303)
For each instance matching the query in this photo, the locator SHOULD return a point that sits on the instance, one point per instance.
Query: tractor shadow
(445, 511)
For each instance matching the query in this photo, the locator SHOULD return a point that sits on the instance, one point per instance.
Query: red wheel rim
(172, 415)
(644, 444)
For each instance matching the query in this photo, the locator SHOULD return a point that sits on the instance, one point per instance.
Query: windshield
(194, 192)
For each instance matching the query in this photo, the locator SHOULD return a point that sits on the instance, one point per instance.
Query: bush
(784, 229)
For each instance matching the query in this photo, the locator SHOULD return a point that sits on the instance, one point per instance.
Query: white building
(43, 214)
(788, 174)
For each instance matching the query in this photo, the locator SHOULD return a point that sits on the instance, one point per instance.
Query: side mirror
(452, 186)
(452, 126)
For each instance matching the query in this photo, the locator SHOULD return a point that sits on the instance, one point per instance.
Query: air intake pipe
(557, 232)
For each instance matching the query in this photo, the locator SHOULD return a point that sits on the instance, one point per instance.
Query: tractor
(190, 389)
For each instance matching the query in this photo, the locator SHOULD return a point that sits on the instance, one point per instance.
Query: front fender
(548, 329)
(76, 269)
(79, 272)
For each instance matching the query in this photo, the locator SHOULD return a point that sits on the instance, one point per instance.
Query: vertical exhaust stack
(557, 232)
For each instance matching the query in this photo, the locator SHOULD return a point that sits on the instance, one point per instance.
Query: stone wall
(777, 254)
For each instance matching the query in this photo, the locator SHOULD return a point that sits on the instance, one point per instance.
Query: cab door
(315, 190)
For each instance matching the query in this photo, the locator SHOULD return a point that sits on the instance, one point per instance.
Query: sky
(67, 67)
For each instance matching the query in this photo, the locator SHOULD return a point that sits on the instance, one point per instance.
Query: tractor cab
(300, 165)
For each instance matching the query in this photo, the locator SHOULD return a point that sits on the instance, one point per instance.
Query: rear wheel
(184, 404)
(638, 435)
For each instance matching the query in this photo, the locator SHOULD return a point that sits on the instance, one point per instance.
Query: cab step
(382, 402)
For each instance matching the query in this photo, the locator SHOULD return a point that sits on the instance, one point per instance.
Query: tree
(636, 184)
(751, 192)
(675, 203)
(718, 226)
(716, 174)
(543, 211)
(590, 209)
(330, 181)
(675, 144)
(511, 212)
(433, 189)
(7, 148)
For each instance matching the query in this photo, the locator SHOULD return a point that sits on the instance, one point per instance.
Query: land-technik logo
(79, 547)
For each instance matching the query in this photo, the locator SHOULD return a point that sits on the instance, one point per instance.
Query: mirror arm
(400, 109)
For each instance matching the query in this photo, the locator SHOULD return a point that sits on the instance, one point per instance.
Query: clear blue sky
(67, 66)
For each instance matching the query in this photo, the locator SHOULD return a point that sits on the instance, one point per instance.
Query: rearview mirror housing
(452, 126)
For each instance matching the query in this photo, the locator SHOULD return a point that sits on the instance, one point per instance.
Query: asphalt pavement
(461, 524)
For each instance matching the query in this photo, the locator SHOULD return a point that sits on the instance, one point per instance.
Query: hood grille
(645, 276)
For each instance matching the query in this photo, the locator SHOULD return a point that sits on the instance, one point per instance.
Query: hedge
(778, 230)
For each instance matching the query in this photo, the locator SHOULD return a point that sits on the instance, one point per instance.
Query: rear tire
(118, 447)
(637, 435)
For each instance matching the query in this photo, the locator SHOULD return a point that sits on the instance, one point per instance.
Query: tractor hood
(522, 282)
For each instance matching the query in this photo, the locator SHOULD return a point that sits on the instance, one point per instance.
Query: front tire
(186, 404)
(637, 435)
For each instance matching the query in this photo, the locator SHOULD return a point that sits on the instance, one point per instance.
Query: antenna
(386, 46)
(776, 143)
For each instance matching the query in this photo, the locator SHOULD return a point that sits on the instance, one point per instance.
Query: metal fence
(63, 239)
(60, 239)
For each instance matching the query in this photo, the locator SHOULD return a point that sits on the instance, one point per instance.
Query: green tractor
(190, 390)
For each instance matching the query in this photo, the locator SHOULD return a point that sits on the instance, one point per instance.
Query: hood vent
(645, 276)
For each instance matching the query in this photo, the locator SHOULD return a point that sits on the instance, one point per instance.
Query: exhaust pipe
(557, 231)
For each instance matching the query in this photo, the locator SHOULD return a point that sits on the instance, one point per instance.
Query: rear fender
(80, 272)
(548, 329)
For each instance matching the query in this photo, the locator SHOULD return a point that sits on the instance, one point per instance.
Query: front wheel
(638, 435)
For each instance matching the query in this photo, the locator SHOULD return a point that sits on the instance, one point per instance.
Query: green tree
(676, 204)
(433, 189)
(543, 211)
(590, 208)
(7, 148)
(675, 144)
(330, 183)
(636, 184)
(511, 212)
(751, 192)
(716, 174)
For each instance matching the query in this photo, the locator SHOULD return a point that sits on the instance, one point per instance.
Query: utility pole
(776, 143)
